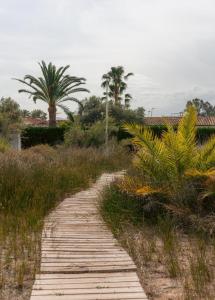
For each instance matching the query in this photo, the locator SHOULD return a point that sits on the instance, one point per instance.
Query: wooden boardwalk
(81, 260)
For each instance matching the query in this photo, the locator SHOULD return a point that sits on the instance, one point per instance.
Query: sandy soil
(193, 280)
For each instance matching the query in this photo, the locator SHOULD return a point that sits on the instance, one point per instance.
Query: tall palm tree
(115, 80)
(54, 88)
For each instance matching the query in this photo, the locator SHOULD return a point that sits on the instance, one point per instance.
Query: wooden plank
(78, 291)
(77, 239)
(93, 285)
(86, 269)
(118, 296)
(82, 281)
(81, 252)
(86, 276)
(83, 260)
(84, 256)
(88, 263)
(80, 245)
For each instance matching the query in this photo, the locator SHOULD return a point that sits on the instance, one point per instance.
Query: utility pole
(150, 112)
(106, 119)
(153, 108)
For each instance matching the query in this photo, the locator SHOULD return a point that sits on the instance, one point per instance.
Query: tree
(38, 113)
(92, 110)
(10, 115)
(54, 88)
(25, 113)
(121, 115)
(140, 113)
(203, 108)
(10, 108)
(115, 81)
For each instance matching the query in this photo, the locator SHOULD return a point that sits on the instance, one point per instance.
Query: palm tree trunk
(116, 96)
(52, 116)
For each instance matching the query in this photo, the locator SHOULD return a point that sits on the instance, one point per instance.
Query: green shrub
(4, 145)
(96, 133)
(92, 136)
(75, 136)
(32, 136)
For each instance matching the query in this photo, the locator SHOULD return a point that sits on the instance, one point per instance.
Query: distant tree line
(36, 113)
(204, 108)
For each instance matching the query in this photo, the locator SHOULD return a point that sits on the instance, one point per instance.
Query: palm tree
(115, 80)
(54, 88)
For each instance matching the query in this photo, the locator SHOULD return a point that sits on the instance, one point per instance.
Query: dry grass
(184, 274)
(32, 182)
(170, 263)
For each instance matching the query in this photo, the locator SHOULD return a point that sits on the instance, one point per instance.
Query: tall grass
(32, 182)
(171, 264)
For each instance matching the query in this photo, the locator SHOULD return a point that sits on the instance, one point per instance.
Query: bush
(96, 133)
(75, 136)
(32, 136)
(4, 145)
(93, 136)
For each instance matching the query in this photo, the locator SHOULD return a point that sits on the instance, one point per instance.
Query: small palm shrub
(172, 171)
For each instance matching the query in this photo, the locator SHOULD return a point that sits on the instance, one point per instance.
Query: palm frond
(186, 132)
(148, 190)
(207, 154)
(54, 85)
(128, 75)
(200, 173)
(67, 112)
(114, 80)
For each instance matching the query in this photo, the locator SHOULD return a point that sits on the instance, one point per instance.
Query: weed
(200, 271)
(170, 246)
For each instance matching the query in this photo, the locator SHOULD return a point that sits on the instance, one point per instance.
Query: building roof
(201, 121)
(34, 122)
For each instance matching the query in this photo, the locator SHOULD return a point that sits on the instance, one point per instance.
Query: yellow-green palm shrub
(173, 166)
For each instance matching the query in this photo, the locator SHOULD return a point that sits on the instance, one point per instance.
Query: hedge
(32, 136)
(203, 133)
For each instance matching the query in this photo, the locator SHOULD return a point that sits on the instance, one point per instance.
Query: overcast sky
(168, 44)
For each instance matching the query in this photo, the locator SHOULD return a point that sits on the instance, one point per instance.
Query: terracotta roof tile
(201, 121)
(34, 122)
